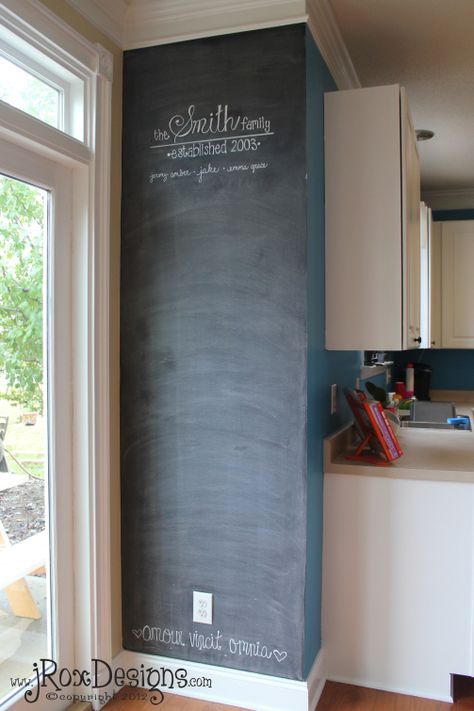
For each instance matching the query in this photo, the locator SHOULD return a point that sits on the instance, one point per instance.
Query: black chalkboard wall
(214, 349)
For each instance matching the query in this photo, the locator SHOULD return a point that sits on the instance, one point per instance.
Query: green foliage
(20, 88)
(22, 224)
(40, 101)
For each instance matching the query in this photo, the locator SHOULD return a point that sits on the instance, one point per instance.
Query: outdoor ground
(22, 513)
(22, 510)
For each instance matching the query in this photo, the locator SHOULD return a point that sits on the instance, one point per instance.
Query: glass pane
(24, 91)
(24, 548)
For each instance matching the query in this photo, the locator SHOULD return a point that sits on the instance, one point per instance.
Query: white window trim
(21, 164)
(19, 127)
(37, 30)
(91, 263)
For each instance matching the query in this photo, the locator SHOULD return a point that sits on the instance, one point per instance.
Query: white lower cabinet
(398, 582)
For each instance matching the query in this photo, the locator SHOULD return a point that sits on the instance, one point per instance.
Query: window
(36, 538)
(23, 90)
(34, 81)
(56, 146)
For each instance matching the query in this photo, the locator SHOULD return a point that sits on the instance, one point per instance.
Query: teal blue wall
(453, 369)
(378, 380)
(444, 215)
(324, 367)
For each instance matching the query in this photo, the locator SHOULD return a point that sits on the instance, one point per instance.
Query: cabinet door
(457, 321)
(435, 285)
(425, 213)
(397, 582)
(411, 229)
(363, 219)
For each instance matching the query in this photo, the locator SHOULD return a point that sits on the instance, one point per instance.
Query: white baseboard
(258, 692)
(393, 688)
(316, 680)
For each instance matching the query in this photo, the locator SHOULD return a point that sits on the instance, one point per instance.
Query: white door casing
(78, 173)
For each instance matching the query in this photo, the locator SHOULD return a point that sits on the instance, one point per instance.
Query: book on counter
(379, 444)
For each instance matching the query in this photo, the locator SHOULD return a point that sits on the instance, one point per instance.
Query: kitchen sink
(434, 415)
(431, 425)
(432, 411)
(427, 425)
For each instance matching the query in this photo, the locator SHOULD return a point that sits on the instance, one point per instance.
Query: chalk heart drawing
(280, 656)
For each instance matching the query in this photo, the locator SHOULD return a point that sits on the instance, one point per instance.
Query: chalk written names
(204, 171)
(189, 137)
(219, 133)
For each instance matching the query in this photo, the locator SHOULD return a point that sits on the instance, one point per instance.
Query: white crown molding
(150, 22)
(109, 16)
(461, 199)
(144, 23)
(326, 33)
(232, 686)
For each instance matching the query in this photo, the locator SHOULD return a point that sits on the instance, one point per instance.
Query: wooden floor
(335, 697)
(126, 701)
(344, 697)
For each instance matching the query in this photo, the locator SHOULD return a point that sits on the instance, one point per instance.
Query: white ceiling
(427, 46)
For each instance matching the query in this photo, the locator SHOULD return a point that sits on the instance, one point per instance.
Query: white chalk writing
(209, 642)
(160, 634)
(195, 135)
(242, 647)
(219, 121)
(207, 170)
(202, 641)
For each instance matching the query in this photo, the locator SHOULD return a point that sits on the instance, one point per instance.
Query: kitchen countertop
(430, 454)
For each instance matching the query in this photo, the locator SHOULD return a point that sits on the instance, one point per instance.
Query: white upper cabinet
(457, 284)
(372, 221)
(425, 214)
(430, 279)
(435, 285)
(410, 242)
